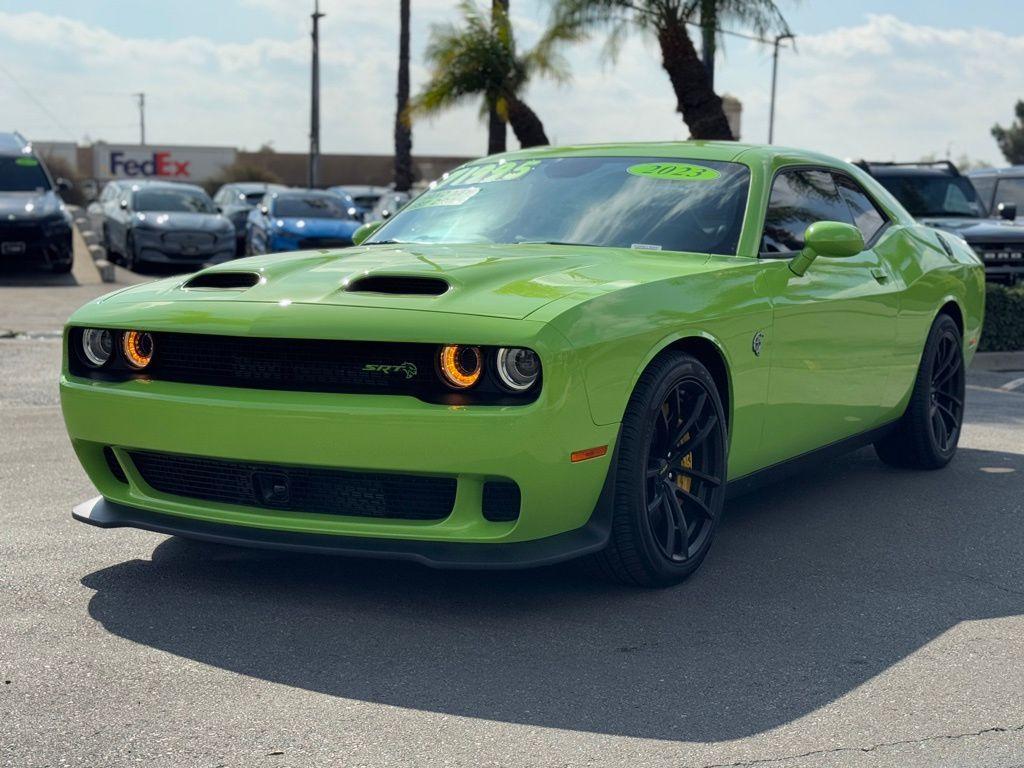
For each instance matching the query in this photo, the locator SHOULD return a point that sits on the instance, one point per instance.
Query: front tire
(926, 436)
(670, 475)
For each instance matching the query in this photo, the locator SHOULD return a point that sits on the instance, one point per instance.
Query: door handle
(879, 274)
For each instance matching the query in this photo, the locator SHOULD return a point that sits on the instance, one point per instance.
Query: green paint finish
(673, 172)
(29, 162)
(840, 348)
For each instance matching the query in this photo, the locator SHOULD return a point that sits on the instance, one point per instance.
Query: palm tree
(479, 58)
(403, 130)
(667, 20)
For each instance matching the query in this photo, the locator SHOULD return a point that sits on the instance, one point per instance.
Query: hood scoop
(223, 280)
(399, 285)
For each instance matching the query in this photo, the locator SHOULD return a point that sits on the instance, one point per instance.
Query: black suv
(937, 195)
(34, 225)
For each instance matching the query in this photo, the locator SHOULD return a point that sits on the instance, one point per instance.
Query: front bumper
(592, 537)
(528, 444)
(33, 244)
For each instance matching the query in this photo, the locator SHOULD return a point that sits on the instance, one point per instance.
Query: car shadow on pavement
(813, 587)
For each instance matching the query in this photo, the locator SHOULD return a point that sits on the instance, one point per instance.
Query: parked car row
(147, 222)
(981, 208)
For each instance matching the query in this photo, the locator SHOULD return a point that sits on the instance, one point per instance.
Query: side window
(798, 199)
(108, 193)
(866, 215)
(986, 188)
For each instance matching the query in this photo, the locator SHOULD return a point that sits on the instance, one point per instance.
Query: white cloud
(884, 88)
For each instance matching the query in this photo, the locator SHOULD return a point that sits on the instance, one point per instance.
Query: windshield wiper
(554, 242)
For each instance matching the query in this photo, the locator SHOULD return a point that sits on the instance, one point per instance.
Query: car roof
(725, 151)
(297, 192)
(253, 186)
(1013, 170)
(151, 183)
(359, 189)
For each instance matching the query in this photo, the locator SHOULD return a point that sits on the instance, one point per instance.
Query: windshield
(926, 195)
(172, 201)
(252, 198)
(22, 174)
(310, 207)
(1010, 191)
(626, 202)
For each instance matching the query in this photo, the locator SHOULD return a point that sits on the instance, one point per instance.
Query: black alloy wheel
(670, 473)
(927, 434)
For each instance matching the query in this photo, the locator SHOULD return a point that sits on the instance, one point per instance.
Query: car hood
(504, 281)
(203, 222)
(978, 230)
(318, 227)
(24, 205)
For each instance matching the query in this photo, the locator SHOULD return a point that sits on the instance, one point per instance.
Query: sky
(867, 79)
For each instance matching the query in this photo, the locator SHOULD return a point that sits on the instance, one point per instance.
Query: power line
(31, 97)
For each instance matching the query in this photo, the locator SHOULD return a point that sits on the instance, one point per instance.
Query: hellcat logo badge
(408, 369)
(758, 343)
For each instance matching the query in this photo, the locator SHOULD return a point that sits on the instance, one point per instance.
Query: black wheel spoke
(698, 409)
(679, 524)
(696, 501)
(702, 477)
(939, 426)
(692, 444)
(947, 373)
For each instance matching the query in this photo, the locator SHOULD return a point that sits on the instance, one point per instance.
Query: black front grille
(309, 365)
(298, 489)
(29, 232)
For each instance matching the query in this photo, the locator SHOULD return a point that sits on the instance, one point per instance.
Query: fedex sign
(173, 163)
(159, 164)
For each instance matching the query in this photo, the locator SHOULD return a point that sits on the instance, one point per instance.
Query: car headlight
(518, 368)
(97, 346)
(138, 348)
(460, 366)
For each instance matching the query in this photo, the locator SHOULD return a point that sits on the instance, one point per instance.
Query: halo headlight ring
(460, 366)
(138, 348)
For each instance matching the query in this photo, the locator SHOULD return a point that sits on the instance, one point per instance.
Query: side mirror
(833, 239)
(63, 185)
(124, 205)
(365, 231)
(1007, 211)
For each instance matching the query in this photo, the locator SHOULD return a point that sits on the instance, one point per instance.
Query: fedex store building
(164, 163)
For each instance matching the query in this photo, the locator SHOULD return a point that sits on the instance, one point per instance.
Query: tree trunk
(525, 124)
(403, 130)
(709, 36)
(496, 133)
(697, 101)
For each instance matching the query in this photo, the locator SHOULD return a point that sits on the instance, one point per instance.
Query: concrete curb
(998, 361)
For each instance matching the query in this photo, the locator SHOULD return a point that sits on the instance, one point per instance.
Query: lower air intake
(298, 489)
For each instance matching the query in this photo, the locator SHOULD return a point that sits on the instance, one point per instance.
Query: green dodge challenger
(549, 354)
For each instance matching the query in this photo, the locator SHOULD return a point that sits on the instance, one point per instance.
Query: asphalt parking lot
(855, 616)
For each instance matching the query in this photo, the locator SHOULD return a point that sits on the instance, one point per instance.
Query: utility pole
(775, 72)
(314, 118)
(142, 116)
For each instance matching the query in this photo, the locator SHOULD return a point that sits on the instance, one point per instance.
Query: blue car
(298, 220)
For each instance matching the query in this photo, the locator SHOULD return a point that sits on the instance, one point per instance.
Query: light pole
(142, 117)
(314, 117)
(775, 73)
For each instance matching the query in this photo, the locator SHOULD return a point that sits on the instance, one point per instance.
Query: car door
(834, 328)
